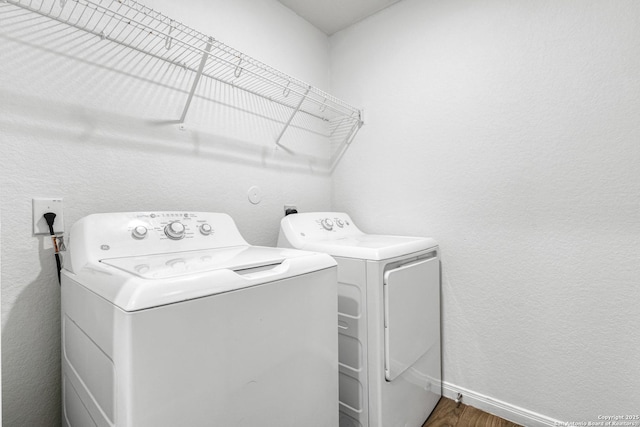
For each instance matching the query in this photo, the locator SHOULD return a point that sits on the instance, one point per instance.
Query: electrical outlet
(289, 208)
(41, 207)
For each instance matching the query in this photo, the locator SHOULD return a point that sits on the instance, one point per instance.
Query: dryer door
(412, 314)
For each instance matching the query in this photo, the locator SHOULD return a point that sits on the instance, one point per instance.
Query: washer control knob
(142, 268)
(327, 224)
(139, 232)
(206, 229)
(174, 230)
(176, 263)
(339, 222)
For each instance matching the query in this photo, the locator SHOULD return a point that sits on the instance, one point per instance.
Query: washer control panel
(170, 225)
(111, 235)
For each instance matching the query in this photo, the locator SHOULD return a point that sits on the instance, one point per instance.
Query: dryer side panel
(410, 397)
(411, 320)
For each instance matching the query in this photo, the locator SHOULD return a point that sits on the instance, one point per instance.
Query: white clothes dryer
(173, 319)
(388, 318)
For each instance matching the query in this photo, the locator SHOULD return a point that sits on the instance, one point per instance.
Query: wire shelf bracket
(196, 79)
(291, 117)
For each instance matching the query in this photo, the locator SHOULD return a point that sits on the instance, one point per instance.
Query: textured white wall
(509, 131)
(82, 120)
(506, 130)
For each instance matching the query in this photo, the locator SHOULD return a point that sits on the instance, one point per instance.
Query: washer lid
(146, 281)
(162, 266)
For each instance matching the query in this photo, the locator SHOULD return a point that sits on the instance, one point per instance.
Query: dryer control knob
(140, 232)
(205, 229)
(339, 222)
(175, 230)
(327, 224)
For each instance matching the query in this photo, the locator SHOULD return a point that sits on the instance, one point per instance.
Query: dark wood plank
(473, 417)
(449, 414)
(446, 414)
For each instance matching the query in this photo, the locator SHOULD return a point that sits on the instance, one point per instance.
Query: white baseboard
(499, 408)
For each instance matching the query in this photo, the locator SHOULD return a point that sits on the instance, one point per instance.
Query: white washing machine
(172, 319)
(388, 318)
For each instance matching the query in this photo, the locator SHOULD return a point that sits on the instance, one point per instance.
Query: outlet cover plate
(40, 207)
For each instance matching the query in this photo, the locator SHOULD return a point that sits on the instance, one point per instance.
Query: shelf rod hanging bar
(255, 74)
(158, 41)
(153, 43)
(284, 87)
(291, 118)
(260, 95)
(196, 79)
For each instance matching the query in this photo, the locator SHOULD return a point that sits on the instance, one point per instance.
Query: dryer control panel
(329, 223)
(336, 234)
(320, 225)
(112, 235)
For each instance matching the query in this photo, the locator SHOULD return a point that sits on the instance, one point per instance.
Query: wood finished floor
(448, 414)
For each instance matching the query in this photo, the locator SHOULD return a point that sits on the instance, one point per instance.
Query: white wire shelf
(131, 24)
